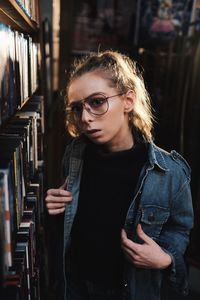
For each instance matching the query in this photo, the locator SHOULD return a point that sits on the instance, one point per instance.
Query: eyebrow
(93, 94)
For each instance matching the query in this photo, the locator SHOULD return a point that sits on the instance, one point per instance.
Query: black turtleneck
(107, 188)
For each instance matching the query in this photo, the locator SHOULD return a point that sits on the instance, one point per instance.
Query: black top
(107, 188)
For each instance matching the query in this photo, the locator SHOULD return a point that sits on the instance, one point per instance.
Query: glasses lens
(97, 105)
(94, 105)
(75, 112)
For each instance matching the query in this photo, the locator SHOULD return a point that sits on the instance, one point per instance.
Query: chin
(97, 141)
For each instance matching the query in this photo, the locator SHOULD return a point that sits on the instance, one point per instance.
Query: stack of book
(18, 70)
(29, 7)
(21, 151)
(20, 202)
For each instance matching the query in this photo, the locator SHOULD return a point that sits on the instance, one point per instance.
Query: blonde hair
(124, 75)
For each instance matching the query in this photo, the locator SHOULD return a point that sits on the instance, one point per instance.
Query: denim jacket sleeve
(175, 234)
(74, 150)
(65, 161)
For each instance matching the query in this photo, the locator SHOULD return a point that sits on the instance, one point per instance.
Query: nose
(86, 116)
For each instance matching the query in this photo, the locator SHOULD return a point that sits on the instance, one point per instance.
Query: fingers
(56, 211)
(128, 257)
(58, 192)
(134, 259)
(55, 205)
(142, 235)
(127, 243)
(64, 185)
(56, 200)
(145, 255)
(131, 256)
(123, 234)
(132, 246)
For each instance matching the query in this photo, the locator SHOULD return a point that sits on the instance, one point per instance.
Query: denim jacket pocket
(152, 219)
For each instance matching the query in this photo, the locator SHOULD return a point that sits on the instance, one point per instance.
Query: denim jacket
(162, 204)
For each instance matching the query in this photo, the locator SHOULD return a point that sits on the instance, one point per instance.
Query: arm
(171, 244)
(57, 199)
(174, 238)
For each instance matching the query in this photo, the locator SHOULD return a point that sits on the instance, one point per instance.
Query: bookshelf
(12, 14)
(21, 150)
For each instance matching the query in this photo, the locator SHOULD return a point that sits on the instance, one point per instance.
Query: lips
(93, 133)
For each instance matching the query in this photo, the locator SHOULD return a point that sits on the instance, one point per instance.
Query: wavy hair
(124, 75)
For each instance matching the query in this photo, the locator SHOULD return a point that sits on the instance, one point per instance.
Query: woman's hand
(146, 255)
(57, 199)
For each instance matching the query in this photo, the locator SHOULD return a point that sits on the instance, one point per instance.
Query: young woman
(126, 203)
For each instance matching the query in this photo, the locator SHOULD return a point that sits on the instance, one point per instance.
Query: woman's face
(111, 128)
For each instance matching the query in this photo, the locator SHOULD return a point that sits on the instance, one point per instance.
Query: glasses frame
(83, 102)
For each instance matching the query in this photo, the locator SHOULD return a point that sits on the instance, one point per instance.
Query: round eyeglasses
(96, 105)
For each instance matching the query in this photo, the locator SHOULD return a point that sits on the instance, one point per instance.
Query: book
(22, 248)
(12, 151)
(3, 260)
(18, 70)
(20, 134)
(4, 72)
(30, 8)
(6, 221)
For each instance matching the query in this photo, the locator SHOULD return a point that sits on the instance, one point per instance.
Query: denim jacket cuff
(176, 272)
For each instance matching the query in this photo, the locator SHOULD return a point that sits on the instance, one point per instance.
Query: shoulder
(68, 149)
(173, 161)
(178, 159)
(74, 148)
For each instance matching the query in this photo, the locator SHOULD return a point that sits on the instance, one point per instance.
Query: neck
(124, 144)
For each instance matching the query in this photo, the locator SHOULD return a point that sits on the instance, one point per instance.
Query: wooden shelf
(24, 103)
(13, 15)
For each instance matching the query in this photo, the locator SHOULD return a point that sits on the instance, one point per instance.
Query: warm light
(4, 38)
(141, 50)
(56, 41)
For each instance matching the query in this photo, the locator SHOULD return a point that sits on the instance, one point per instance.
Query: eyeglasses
(96, 105)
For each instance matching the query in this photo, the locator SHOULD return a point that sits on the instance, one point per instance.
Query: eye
(96, 102)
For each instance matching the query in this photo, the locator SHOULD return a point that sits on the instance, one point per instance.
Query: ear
(129, 101)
